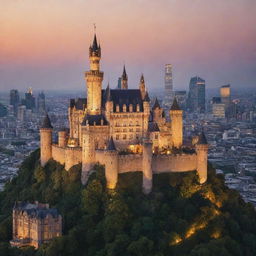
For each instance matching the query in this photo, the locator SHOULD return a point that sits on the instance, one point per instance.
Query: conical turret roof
(156, 104)
(142, 79)
(202, 139)
(47, 122)
(175, 105)
(95, 46)
(124, 76)
(111, 145)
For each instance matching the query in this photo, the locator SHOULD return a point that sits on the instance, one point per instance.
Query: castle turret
(146, 166)
(176, 124)
(202, 157)
(157, 112)
(62, 138)
(124, 80)
(94, 79)
(142, 87)
(46, 141)
(111, 164)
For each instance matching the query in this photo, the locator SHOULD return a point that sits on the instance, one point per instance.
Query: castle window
(130, 108)
(117, 108)
(130, 130)
(138, 108)
(124, 108)
(131, 137)
(124, 136)
(137, 129)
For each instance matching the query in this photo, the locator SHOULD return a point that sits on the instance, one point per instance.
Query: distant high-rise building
(14, 100)
(230, 107)
(196, 97)
(168, 85)
(41, 102)
(29, 101)
(225, 94)
(21, 114)
(218, 108)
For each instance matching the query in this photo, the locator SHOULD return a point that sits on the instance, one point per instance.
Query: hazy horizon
(45, 44)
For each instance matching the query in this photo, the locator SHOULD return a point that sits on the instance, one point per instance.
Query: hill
(180, 217)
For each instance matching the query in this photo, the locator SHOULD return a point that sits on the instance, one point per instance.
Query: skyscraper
(41, 102)
(225, 94)
(168, 78)
(168, 85)
(29, 100)
(196, 96)
(14, 100)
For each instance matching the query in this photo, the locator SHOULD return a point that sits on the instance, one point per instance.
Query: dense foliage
(179, 217)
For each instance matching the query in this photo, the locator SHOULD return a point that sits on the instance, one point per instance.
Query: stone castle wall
(58, 154)
(67, 156)
(174, 163)
(160, 163)
(130, 163)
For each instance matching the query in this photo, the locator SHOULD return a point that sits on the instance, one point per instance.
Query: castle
(119, 129)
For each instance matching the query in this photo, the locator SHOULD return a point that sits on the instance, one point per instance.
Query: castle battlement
(110, 123)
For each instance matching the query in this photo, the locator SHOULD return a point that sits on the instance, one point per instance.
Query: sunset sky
(44, 43)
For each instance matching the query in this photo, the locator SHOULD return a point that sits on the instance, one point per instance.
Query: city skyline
(51, 53)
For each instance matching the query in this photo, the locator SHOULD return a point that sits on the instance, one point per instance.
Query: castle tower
(62, 138)
(124, 80)
(88, 152)
(94, 79)
(111, 164)
(146, 166)
(176, 124)
(202, 157)
(46, 141)
(142, 87)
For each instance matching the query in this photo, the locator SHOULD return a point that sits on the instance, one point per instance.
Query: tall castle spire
(124, 81)
(142, 87)
(95, 49)
(94, 79)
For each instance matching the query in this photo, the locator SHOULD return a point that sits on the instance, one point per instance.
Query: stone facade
(119, 129)
(34, 224)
